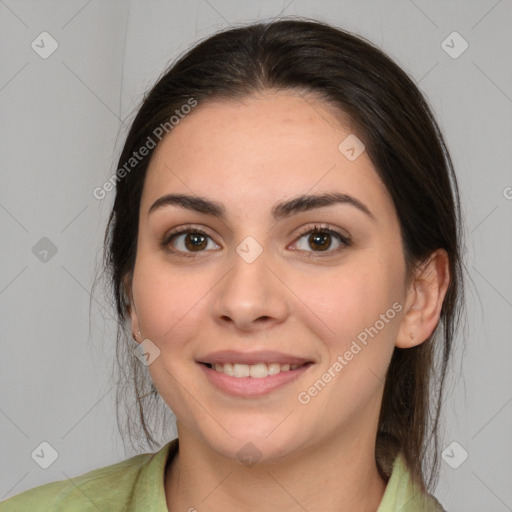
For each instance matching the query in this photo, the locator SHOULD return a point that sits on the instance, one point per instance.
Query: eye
(320, 238)
(187, 240)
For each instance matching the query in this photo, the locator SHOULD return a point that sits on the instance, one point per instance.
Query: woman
(284, 247)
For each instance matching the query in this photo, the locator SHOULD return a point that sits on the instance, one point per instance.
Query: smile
(252, 380)
(257, 371)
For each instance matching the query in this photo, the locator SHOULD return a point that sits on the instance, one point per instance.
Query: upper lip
(232, 356)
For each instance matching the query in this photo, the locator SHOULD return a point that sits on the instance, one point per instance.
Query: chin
(257, 441)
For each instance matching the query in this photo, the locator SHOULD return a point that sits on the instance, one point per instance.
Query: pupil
(315, 238)
(194, 240)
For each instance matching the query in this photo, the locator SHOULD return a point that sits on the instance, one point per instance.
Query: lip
(232, 356)
(250, 386)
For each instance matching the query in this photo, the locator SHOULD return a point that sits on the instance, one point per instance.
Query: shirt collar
(402, 494)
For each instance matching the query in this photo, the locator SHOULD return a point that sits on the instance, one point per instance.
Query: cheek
(170, 304)
(362, 309)
(169, 300)
(351, 299)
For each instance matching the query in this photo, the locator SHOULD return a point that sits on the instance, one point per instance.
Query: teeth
(274, 368)
(241, 370)
(257, 371)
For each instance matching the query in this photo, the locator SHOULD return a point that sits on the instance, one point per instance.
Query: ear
(424, 300)
(130, 307)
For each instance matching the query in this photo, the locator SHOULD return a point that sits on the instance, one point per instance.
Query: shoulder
(113, 488)
(84, 492)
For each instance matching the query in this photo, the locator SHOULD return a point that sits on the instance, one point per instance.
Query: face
(254, 284)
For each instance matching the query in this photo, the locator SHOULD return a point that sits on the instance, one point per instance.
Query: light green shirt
(137, 484)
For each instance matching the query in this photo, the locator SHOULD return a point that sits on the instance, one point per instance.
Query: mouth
(252, 374)
(255, 371)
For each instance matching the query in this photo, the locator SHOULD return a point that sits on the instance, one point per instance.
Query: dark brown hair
(393, 120)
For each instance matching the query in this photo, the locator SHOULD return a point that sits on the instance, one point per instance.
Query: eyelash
(190, 229)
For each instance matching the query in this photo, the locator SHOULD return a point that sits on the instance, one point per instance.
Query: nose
(251, 296)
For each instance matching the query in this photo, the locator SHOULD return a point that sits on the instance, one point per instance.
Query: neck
(340, 474)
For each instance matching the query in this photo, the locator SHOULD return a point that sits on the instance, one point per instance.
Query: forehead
(260, 148)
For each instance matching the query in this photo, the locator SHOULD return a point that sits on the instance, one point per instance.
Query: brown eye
(186, 241)
(195, 241)
(321, 239)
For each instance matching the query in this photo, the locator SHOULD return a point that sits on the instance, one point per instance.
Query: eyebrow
(279, 211)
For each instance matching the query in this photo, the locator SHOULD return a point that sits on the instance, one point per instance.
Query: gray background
(61, 133)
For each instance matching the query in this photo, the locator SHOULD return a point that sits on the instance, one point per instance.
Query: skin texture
(293, 298)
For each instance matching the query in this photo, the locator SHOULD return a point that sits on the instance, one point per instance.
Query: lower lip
(250, 386)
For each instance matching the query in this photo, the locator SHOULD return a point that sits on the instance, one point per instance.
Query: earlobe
(130, 307)
(135, 325)
(424, 300)
(127, 289)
